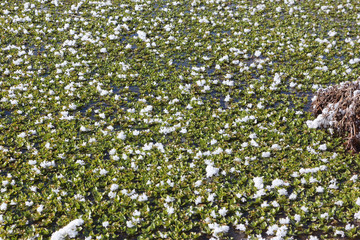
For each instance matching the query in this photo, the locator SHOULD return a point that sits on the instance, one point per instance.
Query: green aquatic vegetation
(174, 120)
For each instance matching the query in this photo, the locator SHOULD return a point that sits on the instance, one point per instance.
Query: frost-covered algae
(174, 119)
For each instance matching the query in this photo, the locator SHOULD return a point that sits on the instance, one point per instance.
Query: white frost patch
(265, 154)
(67, 231)
(271, 229)
(332, 33)
(211, 170)
(278, 182)
(83, 129)
(322, 120)
(313, 238)
(254, 143)
(323, 147)
(312, 170)
(357, 215)
(277, 81)
(142, 35)
(276, 147)
(121, 135)
(257, 53)
(3, 206)
(253, 136)
(281, 232)
(258, 181)
(218, 228)
(354, 178)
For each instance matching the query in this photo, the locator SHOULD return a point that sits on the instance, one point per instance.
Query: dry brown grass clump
(338, 108)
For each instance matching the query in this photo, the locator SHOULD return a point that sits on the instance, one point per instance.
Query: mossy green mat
(174, 120)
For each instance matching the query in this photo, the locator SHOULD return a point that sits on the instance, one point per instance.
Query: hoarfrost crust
(67, 231)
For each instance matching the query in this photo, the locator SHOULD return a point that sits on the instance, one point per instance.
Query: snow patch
(67, 231)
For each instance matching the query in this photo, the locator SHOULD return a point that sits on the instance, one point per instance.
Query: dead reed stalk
(338, 107)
